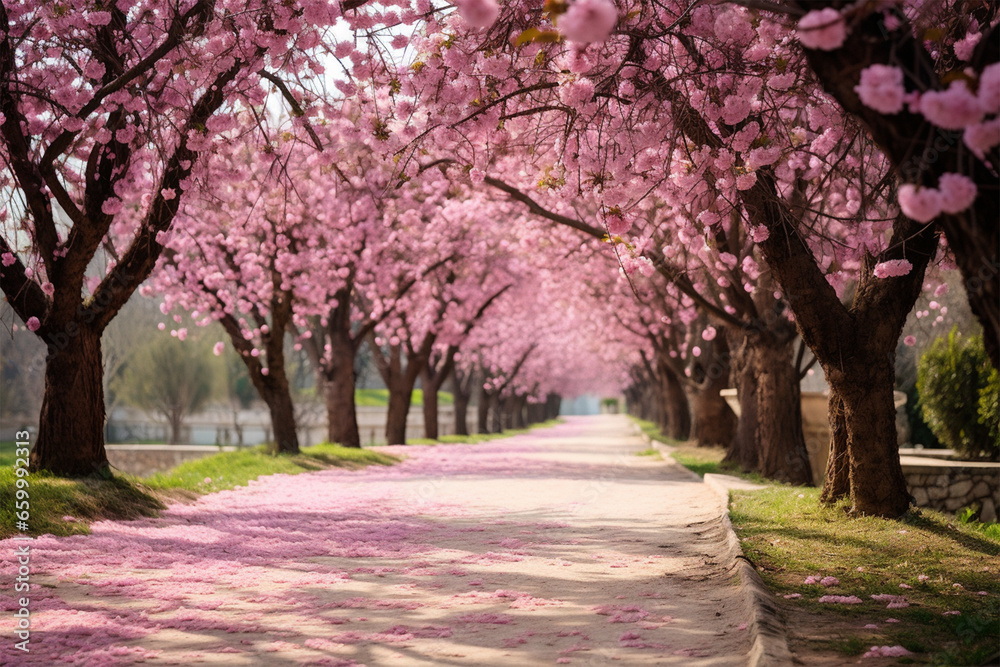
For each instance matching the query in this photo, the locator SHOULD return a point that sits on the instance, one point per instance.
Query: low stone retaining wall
(144, 460)
(949, 486)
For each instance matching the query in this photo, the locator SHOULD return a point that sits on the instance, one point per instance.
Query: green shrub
(920, 432)
(989, 408)
(958, 398)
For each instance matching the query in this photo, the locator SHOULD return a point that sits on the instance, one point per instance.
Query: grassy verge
(127, 497)
(480, 437)
(938, 564)
(652, 431)
(652, 453)
(699, 460)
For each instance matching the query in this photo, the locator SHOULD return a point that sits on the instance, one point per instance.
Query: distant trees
(168, 377)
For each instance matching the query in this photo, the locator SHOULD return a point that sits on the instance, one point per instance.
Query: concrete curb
(768, 643)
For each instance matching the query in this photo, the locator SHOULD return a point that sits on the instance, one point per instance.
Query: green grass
(231, 469)
(652, 431)
(380, 398)
(480, 437)
(126, 497)
(6, 453)
(699, 460)
(652, 453)
(51, 498)
(788, 536)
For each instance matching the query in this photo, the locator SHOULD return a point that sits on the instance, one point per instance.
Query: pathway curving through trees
(557, 547)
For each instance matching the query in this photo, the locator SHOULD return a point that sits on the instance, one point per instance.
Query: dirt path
(558, 547)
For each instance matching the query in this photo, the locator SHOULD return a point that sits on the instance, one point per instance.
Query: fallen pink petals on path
(535, 550)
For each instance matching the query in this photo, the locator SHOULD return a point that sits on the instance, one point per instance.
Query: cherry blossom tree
(698, 107)
(925, 81)
(105, 114)
(429, 325)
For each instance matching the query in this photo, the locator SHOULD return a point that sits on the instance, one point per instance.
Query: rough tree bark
(400, 378)
(837, 483)
(400, 397)
(768, 436)
(273, 387)
(676, 408)
(338, 393)
(73, 408)
(714, 421)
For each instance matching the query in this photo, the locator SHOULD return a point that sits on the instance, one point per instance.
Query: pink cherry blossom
(910, 341)
(830, 581)
(953, 108)
(618, 224)
(881, 88)
(33, 324)
(920, 204)
(218, 348)
(112, 206)
(989, 89)
(958, 192)
(588, 21)
(886, 652)
(892, 268)
(965, 47)
(981, 137)
(99, 18)
(840, 599)
(822, 29)
(479, 13)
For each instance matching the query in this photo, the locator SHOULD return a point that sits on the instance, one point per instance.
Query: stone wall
(144, 460)
(949, 486)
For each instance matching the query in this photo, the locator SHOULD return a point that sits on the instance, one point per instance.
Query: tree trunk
(497, 410)
(399, 408)
(338, 381)
(675, 405)
(837, 483)
(176, 419)
(519, 404)
(769, 436)
(714, 420)
(462, 395)
(279, 404)
(71, 425)
(430, 388)
(483, 411)
(878, 487)
(553, 405)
